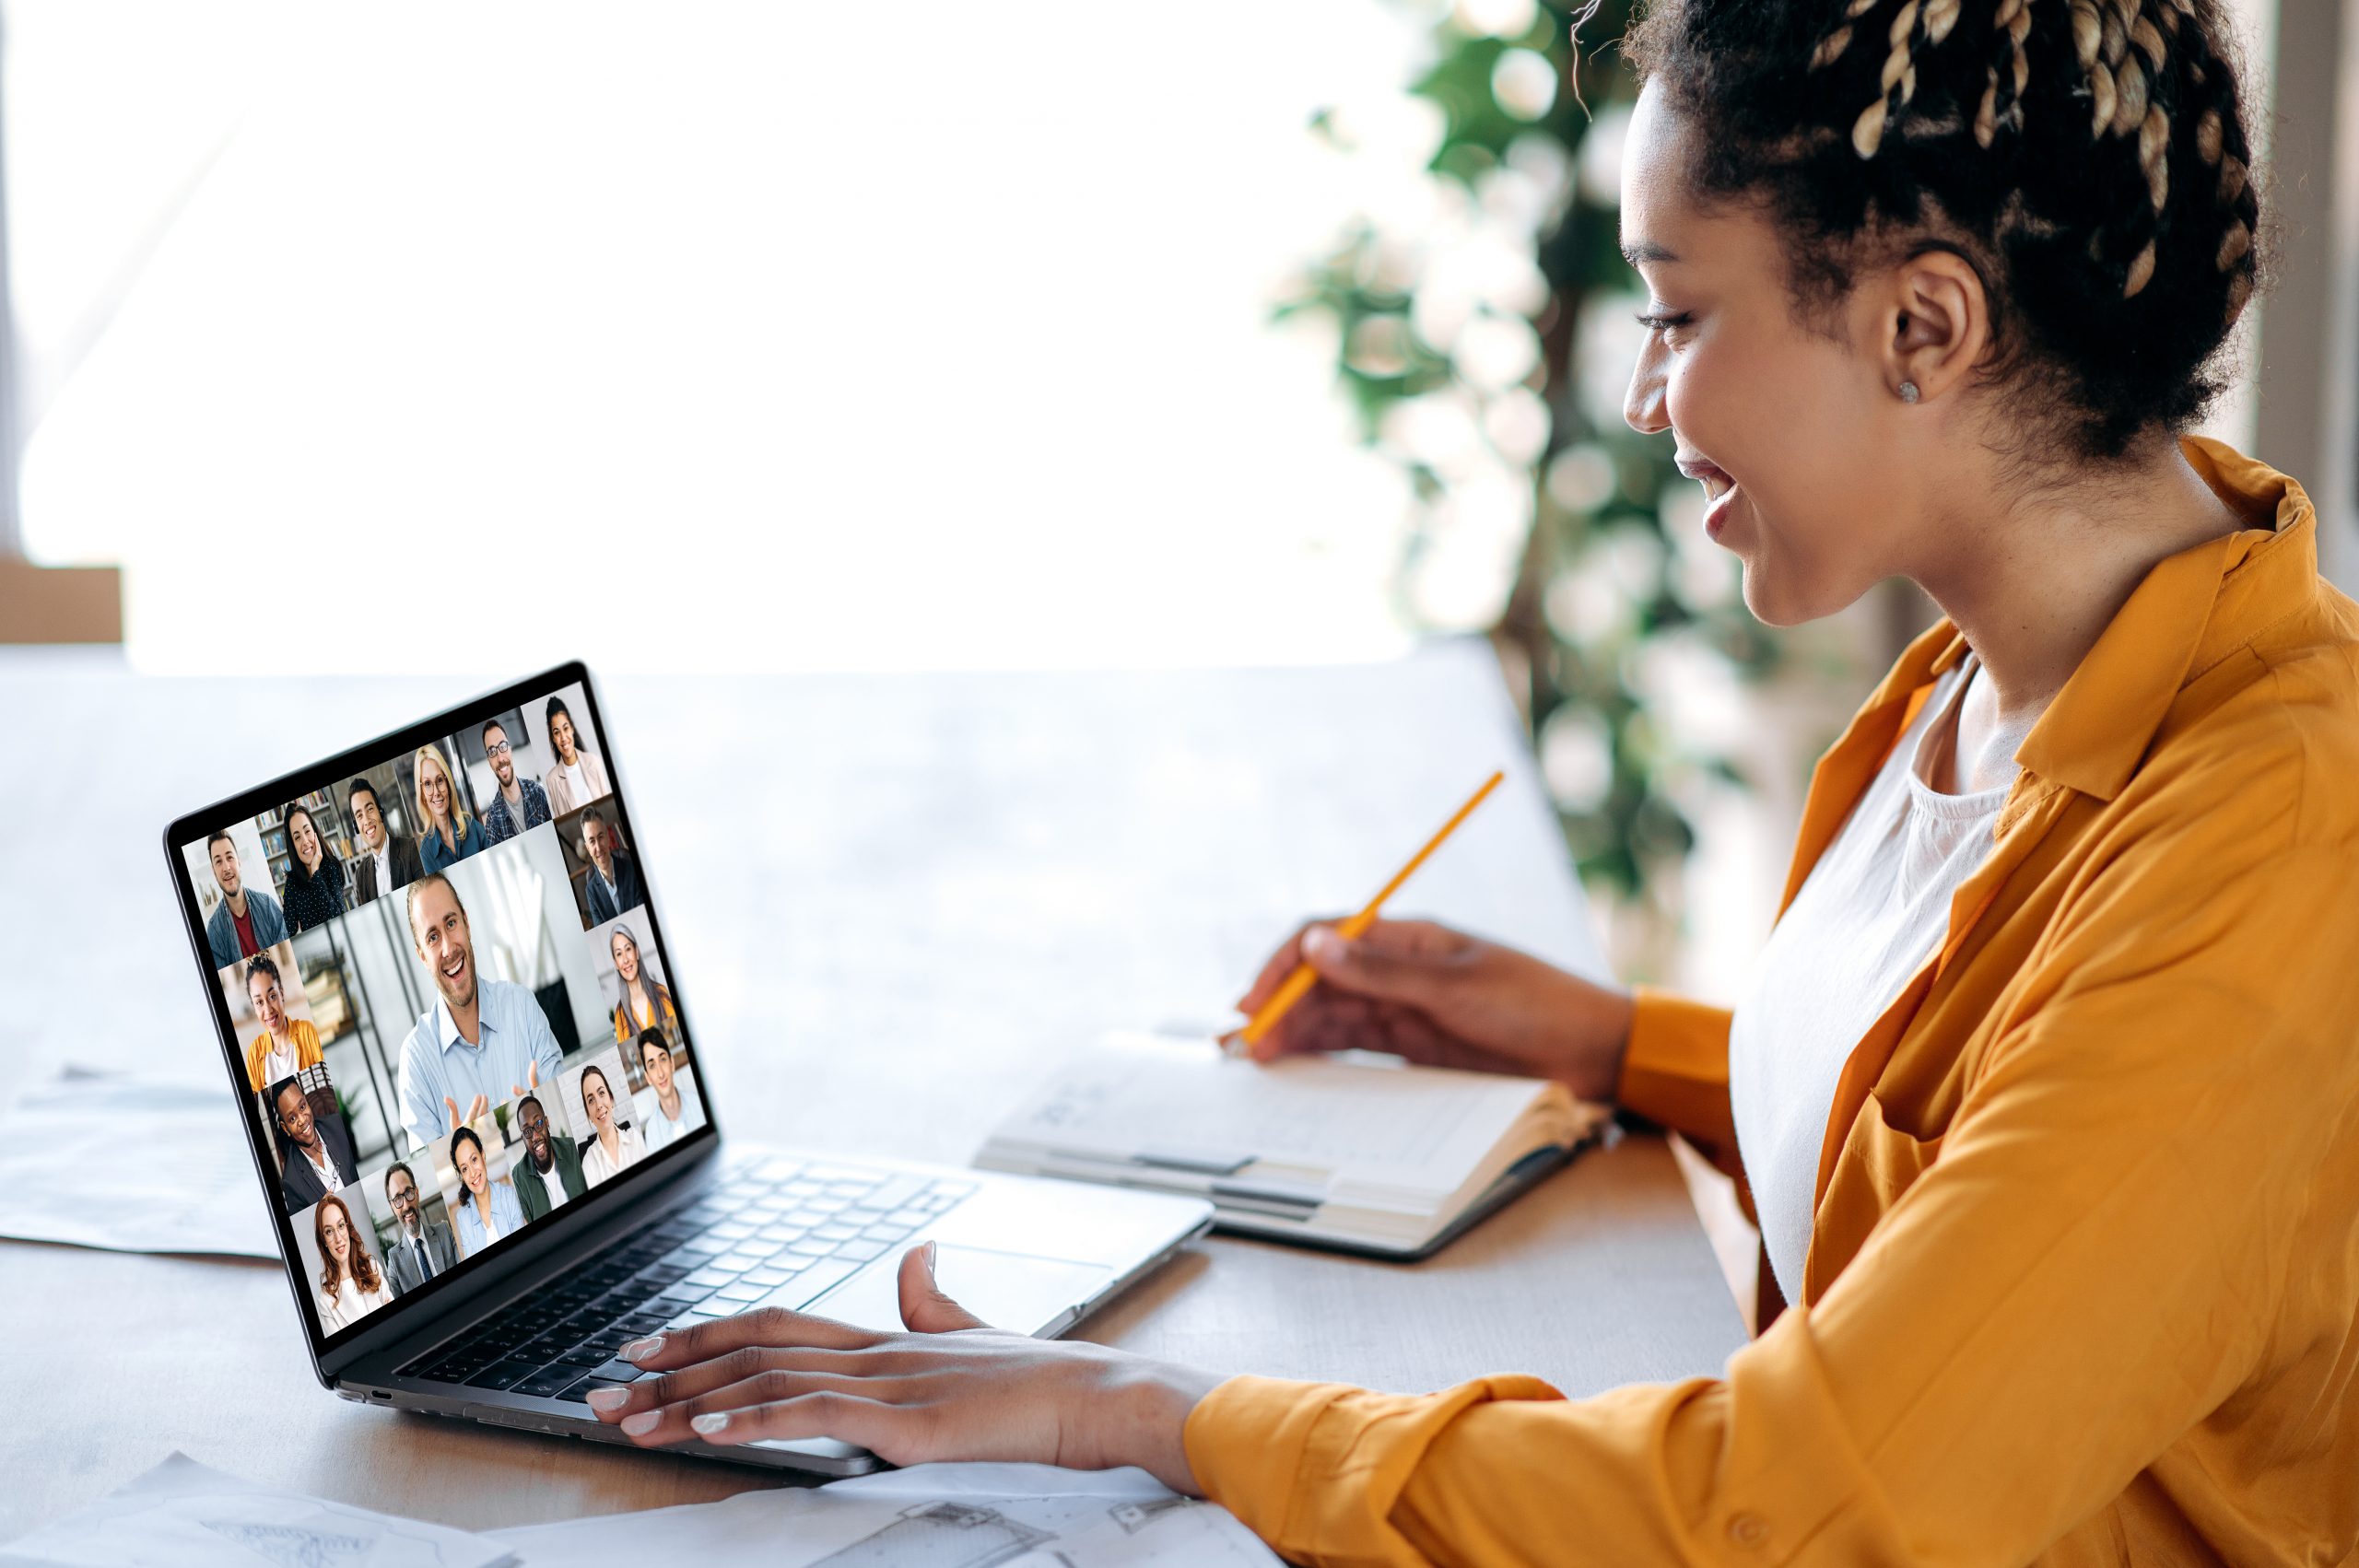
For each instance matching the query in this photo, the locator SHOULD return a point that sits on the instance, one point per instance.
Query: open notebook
(1357, 1151)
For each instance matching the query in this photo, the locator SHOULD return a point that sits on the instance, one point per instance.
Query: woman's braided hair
(2088, 157)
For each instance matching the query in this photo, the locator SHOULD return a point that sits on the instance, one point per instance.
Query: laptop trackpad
(1006, 1290)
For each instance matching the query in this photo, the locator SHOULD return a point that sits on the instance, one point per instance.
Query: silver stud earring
(1907, 392)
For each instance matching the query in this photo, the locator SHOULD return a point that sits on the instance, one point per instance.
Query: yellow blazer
(307, 1051)
(2083, 1282)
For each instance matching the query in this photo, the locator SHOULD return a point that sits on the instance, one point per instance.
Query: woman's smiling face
(469, 1159)
(598, 1100)
(1787, 429)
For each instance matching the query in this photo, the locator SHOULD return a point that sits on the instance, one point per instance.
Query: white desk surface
(890, 900)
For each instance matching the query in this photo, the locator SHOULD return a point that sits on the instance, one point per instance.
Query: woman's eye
(1663, 321)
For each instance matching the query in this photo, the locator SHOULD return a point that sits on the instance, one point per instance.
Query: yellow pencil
(1304, 976)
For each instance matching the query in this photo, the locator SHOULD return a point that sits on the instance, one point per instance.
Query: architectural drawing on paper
(1136, 1517)
(939, 1535)
(294, 1546)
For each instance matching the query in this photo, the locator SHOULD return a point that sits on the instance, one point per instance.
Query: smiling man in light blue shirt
(482, 1042)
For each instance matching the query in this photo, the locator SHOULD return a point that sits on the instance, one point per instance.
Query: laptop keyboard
(775, 1232)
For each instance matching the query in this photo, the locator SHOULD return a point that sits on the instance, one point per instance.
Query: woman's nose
(1644, 408)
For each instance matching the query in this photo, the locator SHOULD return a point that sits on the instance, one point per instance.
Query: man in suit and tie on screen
(613, 876)
(388, 861)
(421, 1249)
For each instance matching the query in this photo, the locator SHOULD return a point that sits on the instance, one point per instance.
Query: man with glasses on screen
(522, 804)
(422, 1248)
(550, 1172)
(482, 1041)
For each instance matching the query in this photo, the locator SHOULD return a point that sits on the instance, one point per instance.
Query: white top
(277, 1064)
(659, 1128)
(552, 1183)
(350, 1303)
(1874, 908)
(570, 786)
(330, 1177)
(596, 1167)
(384, 859)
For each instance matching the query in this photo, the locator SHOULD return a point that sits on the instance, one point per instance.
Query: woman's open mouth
(1718, 490)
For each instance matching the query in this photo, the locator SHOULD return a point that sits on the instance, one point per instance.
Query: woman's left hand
(950, 1389)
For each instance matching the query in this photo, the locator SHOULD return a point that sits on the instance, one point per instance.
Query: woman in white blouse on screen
(615, 1147)
(351, 1285)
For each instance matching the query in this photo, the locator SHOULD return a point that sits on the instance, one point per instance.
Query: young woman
(314, 891)
(447, 834)
(577, 779)
(615, 1146)
(351, 1285)
(287, 1044)
(647, 1001)
(2043, 1089)
(488, 1208)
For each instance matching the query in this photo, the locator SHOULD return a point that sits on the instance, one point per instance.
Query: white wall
(767, 336)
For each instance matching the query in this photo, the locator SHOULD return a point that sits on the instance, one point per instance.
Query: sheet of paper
(182, 1514)
(926, 1516)
(201, 1199)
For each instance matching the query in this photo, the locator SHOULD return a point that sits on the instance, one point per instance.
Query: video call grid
(347, 980)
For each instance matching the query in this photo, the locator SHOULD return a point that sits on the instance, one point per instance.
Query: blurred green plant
(1486, 330)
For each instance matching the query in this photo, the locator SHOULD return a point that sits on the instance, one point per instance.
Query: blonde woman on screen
(446, 833)
(617, 1145)
(351, 1285)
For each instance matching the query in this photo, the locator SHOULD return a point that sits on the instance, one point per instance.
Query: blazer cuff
(1314, 1469)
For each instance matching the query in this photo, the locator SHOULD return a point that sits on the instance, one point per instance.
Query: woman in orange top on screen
(287, 1044)
(647, 1001)
(2044, 1090)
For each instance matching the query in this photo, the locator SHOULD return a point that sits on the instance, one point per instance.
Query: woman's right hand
(1441, 998)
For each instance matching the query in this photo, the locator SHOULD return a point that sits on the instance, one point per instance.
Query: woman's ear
(1936, 322)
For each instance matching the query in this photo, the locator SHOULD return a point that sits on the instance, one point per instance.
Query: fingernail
(929, 1260)
(1322, 944)
(717, 1421)
(642, 1423)
(609, 1398)
(642, 1350)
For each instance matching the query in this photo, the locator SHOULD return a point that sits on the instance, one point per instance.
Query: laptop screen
(442, 993)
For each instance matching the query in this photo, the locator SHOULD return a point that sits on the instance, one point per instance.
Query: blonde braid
(1832, 46)
(1899, 73)
(2230, 190)
(2014, 17)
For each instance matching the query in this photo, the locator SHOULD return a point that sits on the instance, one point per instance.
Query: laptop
(465, 1061)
